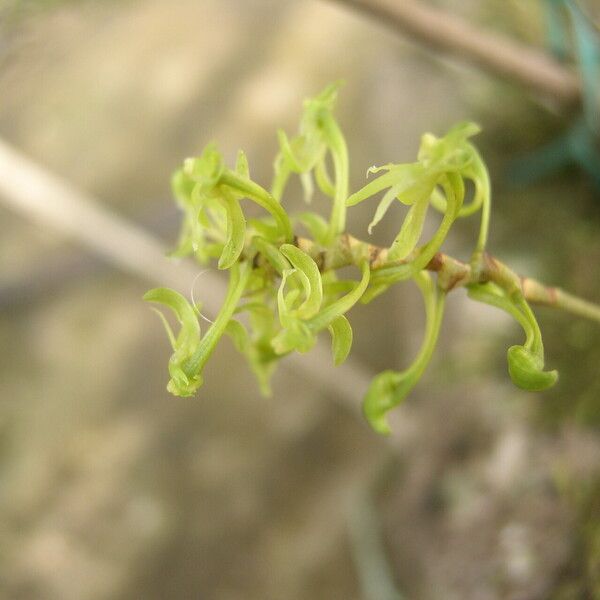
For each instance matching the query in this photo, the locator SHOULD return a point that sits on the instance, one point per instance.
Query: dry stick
(37, 194)
(492, 52)
(31, 190)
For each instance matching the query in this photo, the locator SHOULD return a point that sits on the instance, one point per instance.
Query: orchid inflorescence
(284, 290)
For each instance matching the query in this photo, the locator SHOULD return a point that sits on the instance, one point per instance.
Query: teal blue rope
(556, 34)
(580, 144)
(587, 46)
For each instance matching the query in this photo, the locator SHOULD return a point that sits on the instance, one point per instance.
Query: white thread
(192, 295)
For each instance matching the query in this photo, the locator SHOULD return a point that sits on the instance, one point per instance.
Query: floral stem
(452, 273)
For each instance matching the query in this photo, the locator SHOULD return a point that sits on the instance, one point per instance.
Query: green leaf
(335, 287)
(392, 274)
(341, 339)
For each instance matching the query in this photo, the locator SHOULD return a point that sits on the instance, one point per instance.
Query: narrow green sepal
(241, 165)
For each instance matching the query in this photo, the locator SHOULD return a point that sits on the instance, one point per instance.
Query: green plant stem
(486, 209)
(452, 273)
(435, 313)
(240, 272)
(255, 192)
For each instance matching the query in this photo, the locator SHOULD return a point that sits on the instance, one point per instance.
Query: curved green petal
(272, 254)
(241, 165)
(182, 383)
(526, 369)
(313, 285)
(238, 278)
(323, 178)
(341, 339)
(205, 169)
(526, 362)
(410, 232)
(316, 225)
(383, 206)
(342, 305)
(257, 194)
(295, 336)
(239, 335)
(390, 388)
(236, 232)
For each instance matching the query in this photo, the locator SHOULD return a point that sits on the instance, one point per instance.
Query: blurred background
(112, 489)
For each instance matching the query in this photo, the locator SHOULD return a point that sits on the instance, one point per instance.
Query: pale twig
(451, 272)
(34, 192)
(490, 51)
